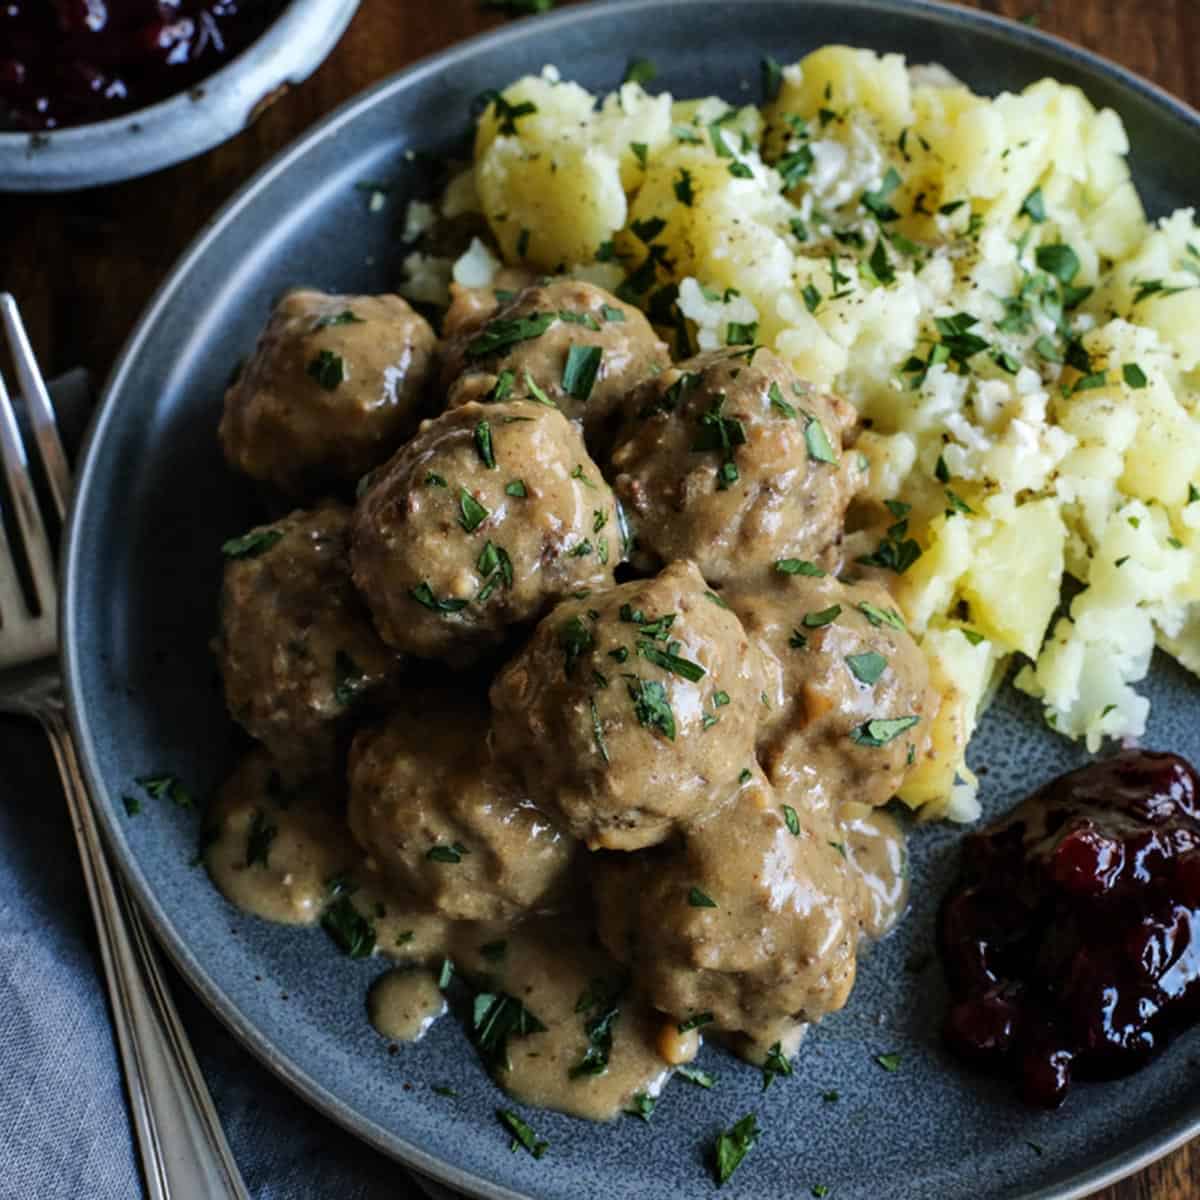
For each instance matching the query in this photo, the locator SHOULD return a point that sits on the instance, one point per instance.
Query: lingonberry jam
(70, 62)
(1071, 941)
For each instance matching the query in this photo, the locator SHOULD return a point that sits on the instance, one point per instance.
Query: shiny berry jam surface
(1071, 940)
(70, 62)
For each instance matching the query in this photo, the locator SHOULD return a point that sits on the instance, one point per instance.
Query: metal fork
(184, 1152)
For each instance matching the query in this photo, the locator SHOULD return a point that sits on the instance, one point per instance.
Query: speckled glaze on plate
(155, 501)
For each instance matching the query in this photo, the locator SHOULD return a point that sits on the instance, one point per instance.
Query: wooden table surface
(83, 265)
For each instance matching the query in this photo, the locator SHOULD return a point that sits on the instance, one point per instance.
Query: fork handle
(183, 1148)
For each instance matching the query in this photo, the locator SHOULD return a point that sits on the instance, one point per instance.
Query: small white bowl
(185, 124)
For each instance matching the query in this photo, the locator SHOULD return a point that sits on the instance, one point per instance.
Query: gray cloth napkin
(64, 1126)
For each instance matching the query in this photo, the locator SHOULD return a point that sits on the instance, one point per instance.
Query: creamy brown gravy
(548, 963)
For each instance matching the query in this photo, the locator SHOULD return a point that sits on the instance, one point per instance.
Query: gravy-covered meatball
(730, 460)
(631, 710)
(750, 917)
(847, 686)
(335, 384)
(577, 344)
(297, 649)
(486, 518)
(442, 823)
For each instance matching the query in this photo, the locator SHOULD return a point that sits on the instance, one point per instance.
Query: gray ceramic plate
(142, 574)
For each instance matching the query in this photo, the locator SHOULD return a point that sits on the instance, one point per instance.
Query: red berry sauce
(70, 62)
(1071, 941)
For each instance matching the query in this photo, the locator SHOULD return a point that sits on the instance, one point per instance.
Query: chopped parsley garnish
(718, 432)
(866, 667)
(720, 699)
(523, 1135)
(1134, 376)
(447, 854)
(433, 479)
(791, 819)
(615, 315)
(716, 600)
(876, 202)
(579, 318)
(577, 473)
(738, 333)
(516, 488)
(651, 707)
(502, 333)
(1155, 287)
(819, 1191)
(1046, 349)
(440, 1089)
(353, 934)
(795, 166)
(345, 317)
(878, 268)
(772, 78)
(165, 787)
(897, 551)
(642, 1106)
(733, 1146)
(704, 1079)
(889, 1062)
(881, 731)
(826, 616)
(957, 503)
(775, 1065)
(1058, 260)
(740, 170)
(797, 641)
(698, 899)
(812, 297)
(777, 402)
(694, 1022)
(640, 71)
(575, 640)
(745, 775)
(817, 440)
(799, 566)
(252, 544)
(402, 939)
(581, 549)
(683, 187)
(502, 388)
(496, 567)
(495, 1017)
(682, 667)
(881, 616)
(348, 679)
(831, 1097)
(258, 843)
(1193, 493)
(423, 594)
(580, 369)
(472, 513)
(328, 369)
(603, 1003)
(1034, 206)
(133, 805)
(483, 444)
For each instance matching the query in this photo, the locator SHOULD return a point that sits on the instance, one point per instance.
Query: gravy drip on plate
(1071, 941)
(314, 873)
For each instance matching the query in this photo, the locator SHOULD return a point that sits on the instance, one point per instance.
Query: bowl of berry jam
(94, 91)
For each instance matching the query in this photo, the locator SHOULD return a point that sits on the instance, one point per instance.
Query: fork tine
(12, 602)
(25, 507)
(37, 401)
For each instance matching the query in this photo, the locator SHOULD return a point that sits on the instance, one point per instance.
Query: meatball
(486, 518)
(297, 650)
(847, 686)
(574, 343)
(730, 460)
(442, 823)
(749, 917)
(472, 307)
(632, 710)
(335, 384)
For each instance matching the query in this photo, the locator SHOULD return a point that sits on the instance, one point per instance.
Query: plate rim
(1107, 1171)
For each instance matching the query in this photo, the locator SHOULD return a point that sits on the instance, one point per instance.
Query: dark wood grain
(82, 266)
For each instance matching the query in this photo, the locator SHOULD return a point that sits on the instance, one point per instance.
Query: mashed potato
(979, 278)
